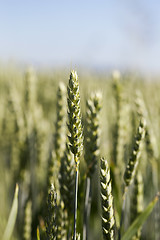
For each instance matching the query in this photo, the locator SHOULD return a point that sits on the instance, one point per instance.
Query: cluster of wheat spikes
(66, 189)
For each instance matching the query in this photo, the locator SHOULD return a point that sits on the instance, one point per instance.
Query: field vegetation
(80, 156)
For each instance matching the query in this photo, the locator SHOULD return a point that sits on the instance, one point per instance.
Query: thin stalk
(87, 209)
(75, 202)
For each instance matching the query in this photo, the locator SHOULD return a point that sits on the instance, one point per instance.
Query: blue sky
(96, 34)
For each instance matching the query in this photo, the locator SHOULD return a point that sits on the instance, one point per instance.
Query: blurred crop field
(28, 132)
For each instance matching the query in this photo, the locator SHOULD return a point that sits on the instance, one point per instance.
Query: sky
(121, 34)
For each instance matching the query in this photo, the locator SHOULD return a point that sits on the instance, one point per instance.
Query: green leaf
(132, 230)
(12, 216)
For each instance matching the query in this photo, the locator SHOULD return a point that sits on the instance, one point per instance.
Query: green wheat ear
(92, 132)
(92, 142)
(150, 140)
(56, 216)
(134, 158)
(106, 201)
(51, 219)
(60, 121)
(66, 180)
(51, 171)
(27, 221)
(74, 117)
(117, 90)
(30, 89)
(75, 129)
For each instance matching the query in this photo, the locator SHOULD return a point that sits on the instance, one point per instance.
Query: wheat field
(80, 155)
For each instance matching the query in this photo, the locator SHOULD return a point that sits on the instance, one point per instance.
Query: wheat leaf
(38, 234)
(140, 220)
(12, 216)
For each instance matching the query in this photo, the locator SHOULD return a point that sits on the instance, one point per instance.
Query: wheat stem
(75, 204)
(87, 209)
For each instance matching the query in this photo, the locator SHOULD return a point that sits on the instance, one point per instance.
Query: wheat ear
(51, 219)
(60, 121)
(134, 158)
(132, 166)
(106, 201)
(117, 90)
(92, 142)
(92, 132)
(150, 140)
(67, 180)
(27, 221)
(75, 129)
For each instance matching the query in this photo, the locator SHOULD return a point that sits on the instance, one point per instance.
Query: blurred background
(99, 35)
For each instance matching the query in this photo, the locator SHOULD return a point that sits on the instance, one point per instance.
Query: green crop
(52, 141)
